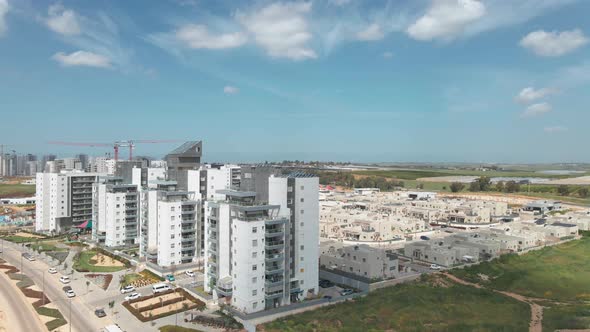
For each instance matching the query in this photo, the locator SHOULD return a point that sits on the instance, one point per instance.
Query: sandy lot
(581, 180)
(171, 307)
(103, 260)
(155, 300)
(29, 235)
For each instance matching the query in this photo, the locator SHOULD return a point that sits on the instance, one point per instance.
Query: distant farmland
(16, 190)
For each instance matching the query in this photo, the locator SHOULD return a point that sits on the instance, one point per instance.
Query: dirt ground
(166, 308)
(581, 180)
(28, 235)
(103, 260)
(155, 300)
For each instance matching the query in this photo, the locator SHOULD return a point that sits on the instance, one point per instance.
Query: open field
(172, 328)
(16, 190)
(432, 305)
(557, 273)
(85, 262)
(562, 316)
(413, 174)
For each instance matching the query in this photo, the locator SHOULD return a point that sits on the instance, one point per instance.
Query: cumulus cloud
(554, 43)
(4, 8)
(372, 32)
(82, 58)
(537, 109)
(530, 94)
(63, 21)
(446, 19)
(281, 29)
(198, 36)
(230, 90)
(555, 129)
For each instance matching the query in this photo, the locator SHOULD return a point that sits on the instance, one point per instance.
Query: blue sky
(420, 80)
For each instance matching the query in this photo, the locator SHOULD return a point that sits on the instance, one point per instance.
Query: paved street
(82, 318)
(17, 313)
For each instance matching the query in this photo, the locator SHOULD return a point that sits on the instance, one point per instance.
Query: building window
(302, 211)
(171, 218)
(254, 243)
(254, 280)
(254, 230)
(302, 187)
(254, 305)
(364, 260)
(172, 208)
(301, 200)
(301, 259)
(254, 292)
(254, 267)
(301, 247)
(254, 254)
(171, 226)
(172, 236)
(302, 270)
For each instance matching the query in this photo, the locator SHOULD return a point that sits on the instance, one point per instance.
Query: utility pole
(70, 300)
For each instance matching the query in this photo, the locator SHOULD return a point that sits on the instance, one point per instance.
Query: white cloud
(4, 8)
(281, 29)
(554, 43)
(230, 90)
(537, 109)
(372, 32)
(446, 19)
(198, 36)
(530, 94)
(555, 129)
(63, 21)
(387, 55)
(82, 58)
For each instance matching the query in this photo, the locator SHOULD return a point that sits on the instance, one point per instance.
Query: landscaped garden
(148, 308)
(141, 279)
(95, 261)
(101, 280)
(431, 304)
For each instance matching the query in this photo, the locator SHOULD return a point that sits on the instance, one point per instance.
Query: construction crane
(116, 145)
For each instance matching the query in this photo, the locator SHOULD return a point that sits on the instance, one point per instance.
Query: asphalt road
(18, 312)
(82, 319)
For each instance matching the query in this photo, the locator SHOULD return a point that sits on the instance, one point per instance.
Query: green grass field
(558, 316)
(417, 306)
(19, 239)
(84, 263)
(413, 174)
(558, 273)
(16, 190)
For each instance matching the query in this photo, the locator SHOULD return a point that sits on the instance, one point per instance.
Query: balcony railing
(274, 258)
(274, 295)
(274, 269)
(274, 244)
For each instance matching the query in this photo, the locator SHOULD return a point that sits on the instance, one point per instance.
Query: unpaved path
(536, 324)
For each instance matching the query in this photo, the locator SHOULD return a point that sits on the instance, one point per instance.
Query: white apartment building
(148, 176)
(103, 165)
(208, 179)
(115, 213)
(63, 200)
(259, 255)
(169, 229)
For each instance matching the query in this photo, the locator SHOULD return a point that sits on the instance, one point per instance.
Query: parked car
(326, 283)
(346, 291)
(132, 296)
(64, 279)
(69, 291)
(434, 267)
(127, 289)
(328, 297)
(190, 274)
(170, 277)
(100, 313)
(52, 270)
(426, 238)
(161, 287)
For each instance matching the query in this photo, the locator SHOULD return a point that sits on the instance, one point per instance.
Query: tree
(420, 186)
(563, 190)
(474, 186)
(484, 183)
(512, 187)
(583, 192)
(500, 186)
(457, 186)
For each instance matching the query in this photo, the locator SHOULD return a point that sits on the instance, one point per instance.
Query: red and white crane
(116, 145)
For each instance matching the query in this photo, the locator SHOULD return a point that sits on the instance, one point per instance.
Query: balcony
(269, 283)
(188, 211)
(274, 258)
(223, 291)
(269, 245)
(274, 233)
(185, 230)
(187, 239)
(273, 295)
(273, 269)
(188, 221)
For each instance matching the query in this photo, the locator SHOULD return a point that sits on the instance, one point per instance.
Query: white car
(132, 296)
(190, 274)
(64, 279)
(70, 293)
(52, 270)
(434, 267)
(127, 289)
